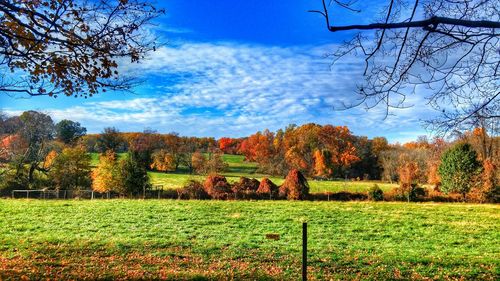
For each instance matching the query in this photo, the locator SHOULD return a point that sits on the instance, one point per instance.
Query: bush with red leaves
(217, 187)
(267, 189)
(246, 188)
(192, 190)
(295, 186)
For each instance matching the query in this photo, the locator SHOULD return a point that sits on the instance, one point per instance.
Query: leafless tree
(446, 50)
(71, 47)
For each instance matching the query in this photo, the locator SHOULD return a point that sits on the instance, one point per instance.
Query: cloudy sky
(228, 69)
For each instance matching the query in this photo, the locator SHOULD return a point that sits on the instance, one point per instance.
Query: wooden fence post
(304, 251)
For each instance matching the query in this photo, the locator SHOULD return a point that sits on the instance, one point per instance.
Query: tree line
(35, 153)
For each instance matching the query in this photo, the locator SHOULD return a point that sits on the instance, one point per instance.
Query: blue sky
(231, 68)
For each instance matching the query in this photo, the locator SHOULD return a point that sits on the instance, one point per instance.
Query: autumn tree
(368, 152)
(72, 47)
(335, 142)
(389, 160)
(379, 144)
(106, 176)
(188, 146)
(35, 133)
(215, 163)
(436, 149)
(409, 174)
(449, 48)
(321, 166)
(258, 147)
(143, 145)
(339, 141)
(163, 161)
(199, 162)
(295, 147)
(69, 131)
(89, 142)
(229, 145)
(111, 139)
(70, 169)
(300, 144)
(11, 125)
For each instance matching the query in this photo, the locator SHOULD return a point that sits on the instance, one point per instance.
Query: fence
(156, 193)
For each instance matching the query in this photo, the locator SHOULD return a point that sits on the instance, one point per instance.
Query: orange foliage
(49, 159)
(105, 175)
(408, 173)
(258, 147)
(297, 147)
(321, 168)
(433, 175)
(487, 189)
(229, 145)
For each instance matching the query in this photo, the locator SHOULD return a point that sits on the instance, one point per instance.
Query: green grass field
(199, 240)
(239, 168)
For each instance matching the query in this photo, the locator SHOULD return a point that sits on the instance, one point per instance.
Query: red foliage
(217, 186)
(225, 143)
(267, 189)
(9, 144)
(258, 147)
(246, 188)
(295, 186)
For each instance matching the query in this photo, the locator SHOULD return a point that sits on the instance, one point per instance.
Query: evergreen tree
(134, 179)
(459, 166)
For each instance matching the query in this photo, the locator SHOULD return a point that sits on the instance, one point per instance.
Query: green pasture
(220, 240)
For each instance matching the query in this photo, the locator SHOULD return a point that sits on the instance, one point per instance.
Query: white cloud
(228, 89)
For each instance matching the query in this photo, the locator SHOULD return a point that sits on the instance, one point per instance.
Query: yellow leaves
(105, 176)
(163, 161)
(49, 159)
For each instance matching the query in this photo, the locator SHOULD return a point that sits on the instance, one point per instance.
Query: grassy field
(239, 168)
(200, 240)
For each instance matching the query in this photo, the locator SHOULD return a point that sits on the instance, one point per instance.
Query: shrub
(217, 186)
(295, 186)
(193, 190)
(245, 186)
(458, 168)
(267, 189)
(338, 196)
(170, 193)
(394, 194)
(375, 193)
(408, 193)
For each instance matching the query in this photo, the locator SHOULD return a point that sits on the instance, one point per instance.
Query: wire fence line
(157, 192)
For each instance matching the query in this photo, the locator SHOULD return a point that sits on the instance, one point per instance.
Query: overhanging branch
(434, 21)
